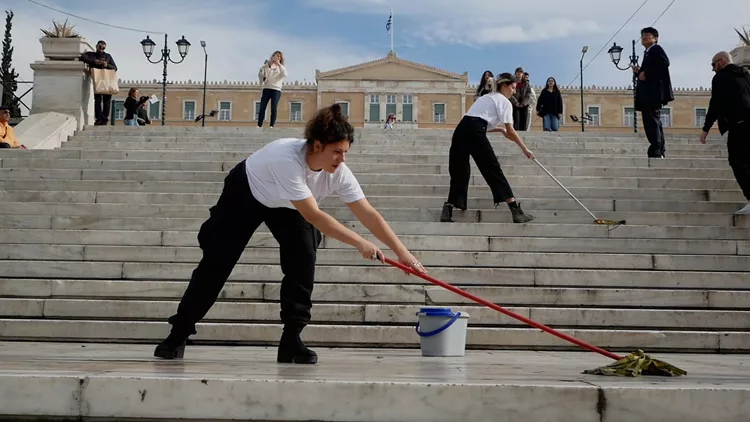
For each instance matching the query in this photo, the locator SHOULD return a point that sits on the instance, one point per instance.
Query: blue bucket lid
(436, 312)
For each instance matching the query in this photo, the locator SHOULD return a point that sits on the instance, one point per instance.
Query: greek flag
(388, 24)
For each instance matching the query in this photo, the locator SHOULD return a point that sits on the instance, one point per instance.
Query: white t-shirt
(494, 108)
(278, 174)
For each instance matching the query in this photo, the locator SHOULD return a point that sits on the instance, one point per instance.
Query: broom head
(635, 365)
(609, 222)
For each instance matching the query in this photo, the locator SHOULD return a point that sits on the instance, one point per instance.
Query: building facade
(420, 96)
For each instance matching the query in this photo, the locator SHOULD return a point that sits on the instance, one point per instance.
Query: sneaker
(292, 349)
(744, 211)
(518, 215)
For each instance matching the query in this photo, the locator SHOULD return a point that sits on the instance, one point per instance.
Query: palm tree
(744, 36)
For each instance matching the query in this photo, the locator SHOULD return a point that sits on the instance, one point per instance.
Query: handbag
(105, 81)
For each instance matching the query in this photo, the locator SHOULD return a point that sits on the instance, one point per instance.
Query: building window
(700, 116)
(257, 110)
(628, 116)
(295, 111)
(407, 108)
(438, 112)
(225, 111)
(593, 112)
(119, 109)
(154, 110)
(390, 105)
(374, 107)
(188, 110)
(344, 107)
(666, 117)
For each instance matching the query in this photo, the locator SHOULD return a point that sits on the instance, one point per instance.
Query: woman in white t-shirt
(470, 139)
(271, 76)
(281, 185)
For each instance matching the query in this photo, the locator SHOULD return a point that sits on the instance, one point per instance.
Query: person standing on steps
(550, 106)
(653, 91)
(281, 185)
(486, 84)
(101, 60)
(470, 139)
(271, 76)
(730, 106)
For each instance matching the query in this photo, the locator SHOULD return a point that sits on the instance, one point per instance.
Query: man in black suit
(653, 91)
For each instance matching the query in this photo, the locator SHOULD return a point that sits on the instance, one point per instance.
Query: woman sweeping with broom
(470, 139)
(281, 185)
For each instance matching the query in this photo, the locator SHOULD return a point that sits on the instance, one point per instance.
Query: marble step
(123, 382)
(224, 144)
(158, 225)
(361, 168)
(168, 155)
(521, 191)
(248, 312)
(501, 215)
(508, 276)
(427, 295)
(338, 335)
(413, 242)
(79, 197)
(350, 256)
(367, 179)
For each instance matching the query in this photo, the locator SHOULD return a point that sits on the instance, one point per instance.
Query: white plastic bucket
(442, 332)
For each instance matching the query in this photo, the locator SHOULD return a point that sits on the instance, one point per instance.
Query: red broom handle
(505, 311)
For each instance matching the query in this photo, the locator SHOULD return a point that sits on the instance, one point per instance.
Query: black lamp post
(583, 53)
(615, 53)
(148, 49)
(205, 73)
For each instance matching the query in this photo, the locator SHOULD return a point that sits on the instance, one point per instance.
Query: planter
(741, 56)
(64, 48)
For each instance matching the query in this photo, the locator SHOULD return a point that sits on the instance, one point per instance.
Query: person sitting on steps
(470, 139)
(281, 185)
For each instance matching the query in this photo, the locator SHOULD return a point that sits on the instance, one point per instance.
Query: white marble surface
(220, 383)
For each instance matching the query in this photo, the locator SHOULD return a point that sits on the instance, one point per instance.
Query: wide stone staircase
(98, 241)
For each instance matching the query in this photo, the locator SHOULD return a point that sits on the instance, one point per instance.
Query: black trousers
(654, 131)
(102, 108)
(738, 144)
(272, 95)
(470, 139)
(223, 238)
(4, 145)
(520, 118)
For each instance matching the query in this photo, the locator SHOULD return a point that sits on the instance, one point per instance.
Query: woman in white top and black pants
(470, 139)
(271, 76)
(281, 185)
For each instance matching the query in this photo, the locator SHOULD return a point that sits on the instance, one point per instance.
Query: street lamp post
(583, 53)
(148, 49)
(615, 53)
(205, 73)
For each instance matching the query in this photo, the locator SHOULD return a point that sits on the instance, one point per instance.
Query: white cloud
(238, 36)
(690, 31)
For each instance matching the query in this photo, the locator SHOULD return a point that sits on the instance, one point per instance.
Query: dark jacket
(143, 116)
(90, 56)
(549, 103)
(730, 98)
(656, 91)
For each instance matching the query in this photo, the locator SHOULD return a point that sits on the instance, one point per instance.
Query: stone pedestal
(63, 87)
(741, 56)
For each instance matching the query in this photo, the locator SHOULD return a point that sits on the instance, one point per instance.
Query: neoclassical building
(420, 96)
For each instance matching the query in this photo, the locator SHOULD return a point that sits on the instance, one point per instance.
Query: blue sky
(543, 36)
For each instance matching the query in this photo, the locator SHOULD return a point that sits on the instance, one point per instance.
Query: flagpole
(391, 30)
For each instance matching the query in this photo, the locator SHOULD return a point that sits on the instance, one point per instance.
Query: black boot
(291, 347)
(518, 214)
(173, 347)
(447, 214)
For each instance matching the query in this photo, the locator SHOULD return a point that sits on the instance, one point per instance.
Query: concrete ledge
(121, 382)
(46, 130)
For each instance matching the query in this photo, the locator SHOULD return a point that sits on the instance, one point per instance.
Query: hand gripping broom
(632, 365)
(596, 220)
